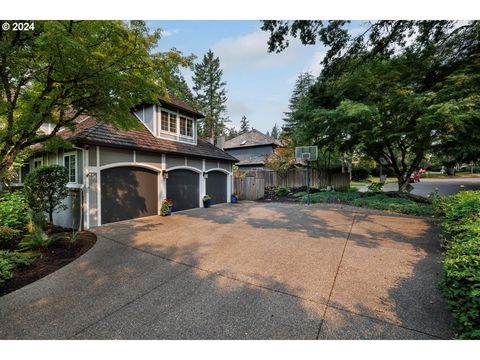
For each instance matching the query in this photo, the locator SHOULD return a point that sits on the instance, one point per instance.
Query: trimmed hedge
(461, 275)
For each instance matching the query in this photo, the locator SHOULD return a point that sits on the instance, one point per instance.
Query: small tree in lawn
(45, 188)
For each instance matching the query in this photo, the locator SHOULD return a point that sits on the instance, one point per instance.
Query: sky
(259, 84)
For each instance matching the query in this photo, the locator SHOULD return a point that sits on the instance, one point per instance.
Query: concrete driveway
(246, 271)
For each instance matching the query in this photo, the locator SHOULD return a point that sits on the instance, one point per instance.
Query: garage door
(217, 186)
(182, 188)
(128, 193)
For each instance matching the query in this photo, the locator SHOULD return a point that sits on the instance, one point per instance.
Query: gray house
(124, 174)
(251, 148)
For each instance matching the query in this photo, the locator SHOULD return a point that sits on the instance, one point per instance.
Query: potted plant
(207, 201)
(234, 198)
(167, 206)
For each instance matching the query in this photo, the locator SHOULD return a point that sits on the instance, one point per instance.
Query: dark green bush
(461, 276)
(45, 188)
(13, 210)
(360, 174)
(9, 260)
(281, 191)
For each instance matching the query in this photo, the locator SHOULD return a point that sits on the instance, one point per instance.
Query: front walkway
(246, 271)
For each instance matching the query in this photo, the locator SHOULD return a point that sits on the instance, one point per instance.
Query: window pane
(72, 169)
(164, 121)
(173, 123)
(183, 125)
(189, 127)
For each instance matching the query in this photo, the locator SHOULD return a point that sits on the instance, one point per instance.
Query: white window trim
(70, 153)
(35, 160)
(177, 123)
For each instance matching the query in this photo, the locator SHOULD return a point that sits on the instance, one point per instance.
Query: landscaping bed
(389, 201)
(47, 260)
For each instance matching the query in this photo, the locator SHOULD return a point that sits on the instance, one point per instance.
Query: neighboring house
(124, 174)
(251, 148)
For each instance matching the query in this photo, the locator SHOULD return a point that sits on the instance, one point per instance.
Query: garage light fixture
(205, 175)
(165, 174)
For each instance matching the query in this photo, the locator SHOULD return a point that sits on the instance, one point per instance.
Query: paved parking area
(245, 271)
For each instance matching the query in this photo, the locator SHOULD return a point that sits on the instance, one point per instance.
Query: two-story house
(251, 148)
(124, 174)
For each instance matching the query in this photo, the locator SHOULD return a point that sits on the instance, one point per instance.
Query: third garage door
(183, 189)
(217, 186)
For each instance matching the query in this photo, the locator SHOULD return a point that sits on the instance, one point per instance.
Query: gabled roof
(176, 102)
(249, 139)
(91, 131)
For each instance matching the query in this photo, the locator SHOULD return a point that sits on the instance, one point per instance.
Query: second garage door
(217, 186)
(183, 189)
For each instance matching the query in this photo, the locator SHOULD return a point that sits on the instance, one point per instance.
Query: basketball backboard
(306, 153)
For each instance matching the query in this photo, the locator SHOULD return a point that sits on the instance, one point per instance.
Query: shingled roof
(91, 131)
(249, 139)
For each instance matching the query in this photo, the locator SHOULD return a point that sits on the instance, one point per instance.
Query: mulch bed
(270, 195)
(58, 255)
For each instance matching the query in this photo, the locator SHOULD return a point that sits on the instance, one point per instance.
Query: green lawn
(375, 201)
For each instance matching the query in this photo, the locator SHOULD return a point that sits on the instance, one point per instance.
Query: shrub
(38, 239)
(360, 174)
(8, 236)
(375, 187)
(281, 191)
(461, 267)
(300, 194)
(13, 210)
(9, 260)
(45, 188)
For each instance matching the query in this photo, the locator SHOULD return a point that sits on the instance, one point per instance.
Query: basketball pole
(308, 182)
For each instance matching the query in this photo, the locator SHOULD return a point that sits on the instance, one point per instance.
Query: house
(124, 174)
(251, 148)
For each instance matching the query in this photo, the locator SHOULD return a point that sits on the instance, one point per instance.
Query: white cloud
(315, 66)
(167, 33)
(237, 108)
(251, 51)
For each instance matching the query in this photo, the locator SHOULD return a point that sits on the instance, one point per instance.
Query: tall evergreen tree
(181, 90)
(244, 125)
(302, 84)
(210, 95)
(275, 132)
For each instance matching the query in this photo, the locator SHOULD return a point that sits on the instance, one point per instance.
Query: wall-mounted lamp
(205, 175)
(165, 174)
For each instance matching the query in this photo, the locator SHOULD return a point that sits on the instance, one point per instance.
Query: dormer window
(186, 126)
(169, 121)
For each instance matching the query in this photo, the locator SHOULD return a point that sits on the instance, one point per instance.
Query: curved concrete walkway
(246, 271)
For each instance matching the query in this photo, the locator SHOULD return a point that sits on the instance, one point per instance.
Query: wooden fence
(296, 178)
(249, 188)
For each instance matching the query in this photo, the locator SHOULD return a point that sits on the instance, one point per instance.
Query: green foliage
(206, 197)
(36, 240)
(244, 125)
(374, 201)
(375, 187)
(281, 191)
(387, 98)
(66, 68)
(210, 95)
(8, 236)
(461, 276)
(45, 188)
(300, 194)
(360, 174)
(164, 209)
(9, 261)
(13, 210)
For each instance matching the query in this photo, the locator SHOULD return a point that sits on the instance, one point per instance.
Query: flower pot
(207, 203)
(233, 199)
(170, 209)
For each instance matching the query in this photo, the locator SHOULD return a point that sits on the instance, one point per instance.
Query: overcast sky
(259, 83)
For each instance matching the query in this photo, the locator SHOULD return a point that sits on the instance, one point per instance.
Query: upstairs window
(169, 122)
(37, 163)
(69, 161)
(186, 126)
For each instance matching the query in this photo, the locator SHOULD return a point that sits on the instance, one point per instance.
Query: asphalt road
(444, 186)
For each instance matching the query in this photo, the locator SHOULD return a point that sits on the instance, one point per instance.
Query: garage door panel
(128, 193)
(217, 186)
(183, 189)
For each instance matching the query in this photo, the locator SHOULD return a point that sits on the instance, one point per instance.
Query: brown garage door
(183, 189)
(128, 193)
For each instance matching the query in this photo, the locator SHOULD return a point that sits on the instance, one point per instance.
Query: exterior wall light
(165, 174)
(205, 175)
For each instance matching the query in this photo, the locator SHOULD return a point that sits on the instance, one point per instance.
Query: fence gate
(249, 188)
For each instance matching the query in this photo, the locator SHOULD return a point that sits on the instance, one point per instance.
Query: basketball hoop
(306, 154)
